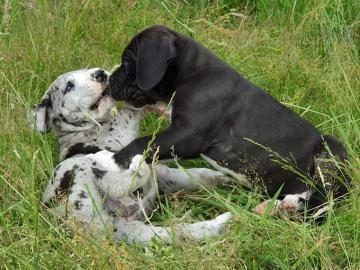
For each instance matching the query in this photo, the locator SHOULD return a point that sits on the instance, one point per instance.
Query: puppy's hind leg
(136, 231)
(291, 205)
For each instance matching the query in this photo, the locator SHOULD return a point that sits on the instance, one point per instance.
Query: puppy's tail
(330, 176)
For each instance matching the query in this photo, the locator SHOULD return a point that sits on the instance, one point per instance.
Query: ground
(304, 53)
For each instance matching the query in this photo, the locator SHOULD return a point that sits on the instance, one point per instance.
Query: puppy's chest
(115, 135)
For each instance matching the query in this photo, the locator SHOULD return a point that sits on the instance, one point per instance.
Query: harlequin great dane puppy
(218, 113)
(88, 186)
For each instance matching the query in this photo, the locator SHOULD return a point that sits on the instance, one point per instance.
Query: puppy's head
(73, 99)
(145, 63)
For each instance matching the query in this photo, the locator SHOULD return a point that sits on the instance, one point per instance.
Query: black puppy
(219, 113)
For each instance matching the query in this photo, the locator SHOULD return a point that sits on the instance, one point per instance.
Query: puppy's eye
(69, 86)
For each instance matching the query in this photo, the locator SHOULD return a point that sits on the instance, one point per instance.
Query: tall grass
(305, 53)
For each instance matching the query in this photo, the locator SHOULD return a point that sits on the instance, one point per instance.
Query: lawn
(304, 53)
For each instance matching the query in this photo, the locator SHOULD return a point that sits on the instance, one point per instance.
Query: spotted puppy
(88, 186)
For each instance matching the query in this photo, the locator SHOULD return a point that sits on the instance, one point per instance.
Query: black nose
(100, 75)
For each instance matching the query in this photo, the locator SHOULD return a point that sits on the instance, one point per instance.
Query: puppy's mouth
(105, 93)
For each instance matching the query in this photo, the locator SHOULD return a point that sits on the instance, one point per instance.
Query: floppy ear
(39, 119)
(155, 52)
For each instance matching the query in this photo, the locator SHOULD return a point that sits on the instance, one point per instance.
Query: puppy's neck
(112, 135)
(200, 59)
(68, 139)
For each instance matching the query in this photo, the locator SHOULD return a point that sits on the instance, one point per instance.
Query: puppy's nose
(100, 75)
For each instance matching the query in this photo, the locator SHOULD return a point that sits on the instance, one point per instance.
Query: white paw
(138, 165)
(105, 160)
(224, 218)
(204, 229)
(262, 208)
(291, 204)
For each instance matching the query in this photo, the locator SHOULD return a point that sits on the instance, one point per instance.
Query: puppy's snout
(100, 75)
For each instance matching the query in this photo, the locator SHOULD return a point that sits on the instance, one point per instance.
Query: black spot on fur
(93, 107)
(170, 183)
(98, 173)
(127, 122)
(80, 148)
(129, 210)
(82, 195)
(62, 118)
(94, 163)
(302, 201)
(66, 182)
(55, 174)
(115, 229)
(108, 148)
(46, 102)
(78, 205)
(139, 191)
(111, 129)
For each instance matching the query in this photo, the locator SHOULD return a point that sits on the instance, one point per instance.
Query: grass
(305, 53)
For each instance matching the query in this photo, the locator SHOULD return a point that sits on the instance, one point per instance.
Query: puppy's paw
(261, 208)
(288, 207)
(204, 229)
(291, 205)
(223, 218)
(139, 165)
(219, 224)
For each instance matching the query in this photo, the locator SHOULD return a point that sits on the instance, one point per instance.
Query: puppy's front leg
(181, 142)
(116, 183)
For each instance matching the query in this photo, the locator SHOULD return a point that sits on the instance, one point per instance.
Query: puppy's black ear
(155, 52)
(39, 117)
